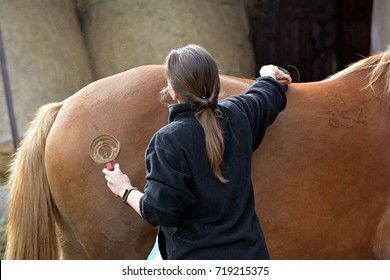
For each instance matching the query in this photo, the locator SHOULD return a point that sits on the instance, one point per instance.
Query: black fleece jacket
(200, 217)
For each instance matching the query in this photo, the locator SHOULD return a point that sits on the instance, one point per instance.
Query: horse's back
(321, 174)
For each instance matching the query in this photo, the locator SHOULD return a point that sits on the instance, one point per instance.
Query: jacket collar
(178, 111)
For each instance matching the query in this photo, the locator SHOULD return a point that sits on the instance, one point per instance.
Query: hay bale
(123, 34)
(46, 56)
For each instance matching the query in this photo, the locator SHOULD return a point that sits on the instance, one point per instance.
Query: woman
(199, 190)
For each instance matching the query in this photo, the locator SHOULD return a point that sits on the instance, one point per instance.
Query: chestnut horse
(321, 175)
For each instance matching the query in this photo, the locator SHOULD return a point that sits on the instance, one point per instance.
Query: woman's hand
(116, 180)
(275, 72)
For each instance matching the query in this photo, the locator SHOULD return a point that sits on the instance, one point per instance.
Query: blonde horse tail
(31, 230)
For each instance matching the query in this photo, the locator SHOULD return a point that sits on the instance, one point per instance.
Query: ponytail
(193, 73)
(215, 145)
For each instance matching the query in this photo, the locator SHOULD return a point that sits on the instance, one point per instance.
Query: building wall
(380, 28)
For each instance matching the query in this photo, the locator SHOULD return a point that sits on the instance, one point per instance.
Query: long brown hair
(193, 73)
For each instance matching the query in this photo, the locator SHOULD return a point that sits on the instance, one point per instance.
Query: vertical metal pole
(8, 96)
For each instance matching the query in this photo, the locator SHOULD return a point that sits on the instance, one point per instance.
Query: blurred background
(53, 48)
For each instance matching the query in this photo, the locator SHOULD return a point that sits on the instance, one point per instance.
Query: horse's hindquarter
(125, 106)
(321, 175)
(92, 222)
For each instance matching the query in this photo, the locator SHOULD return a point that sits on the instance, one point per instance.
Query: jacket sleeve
(262, 104)
(166, 193)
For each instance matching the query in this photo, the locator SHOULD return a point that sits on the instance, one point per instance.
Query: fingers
(107, 172)
(283, 74)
